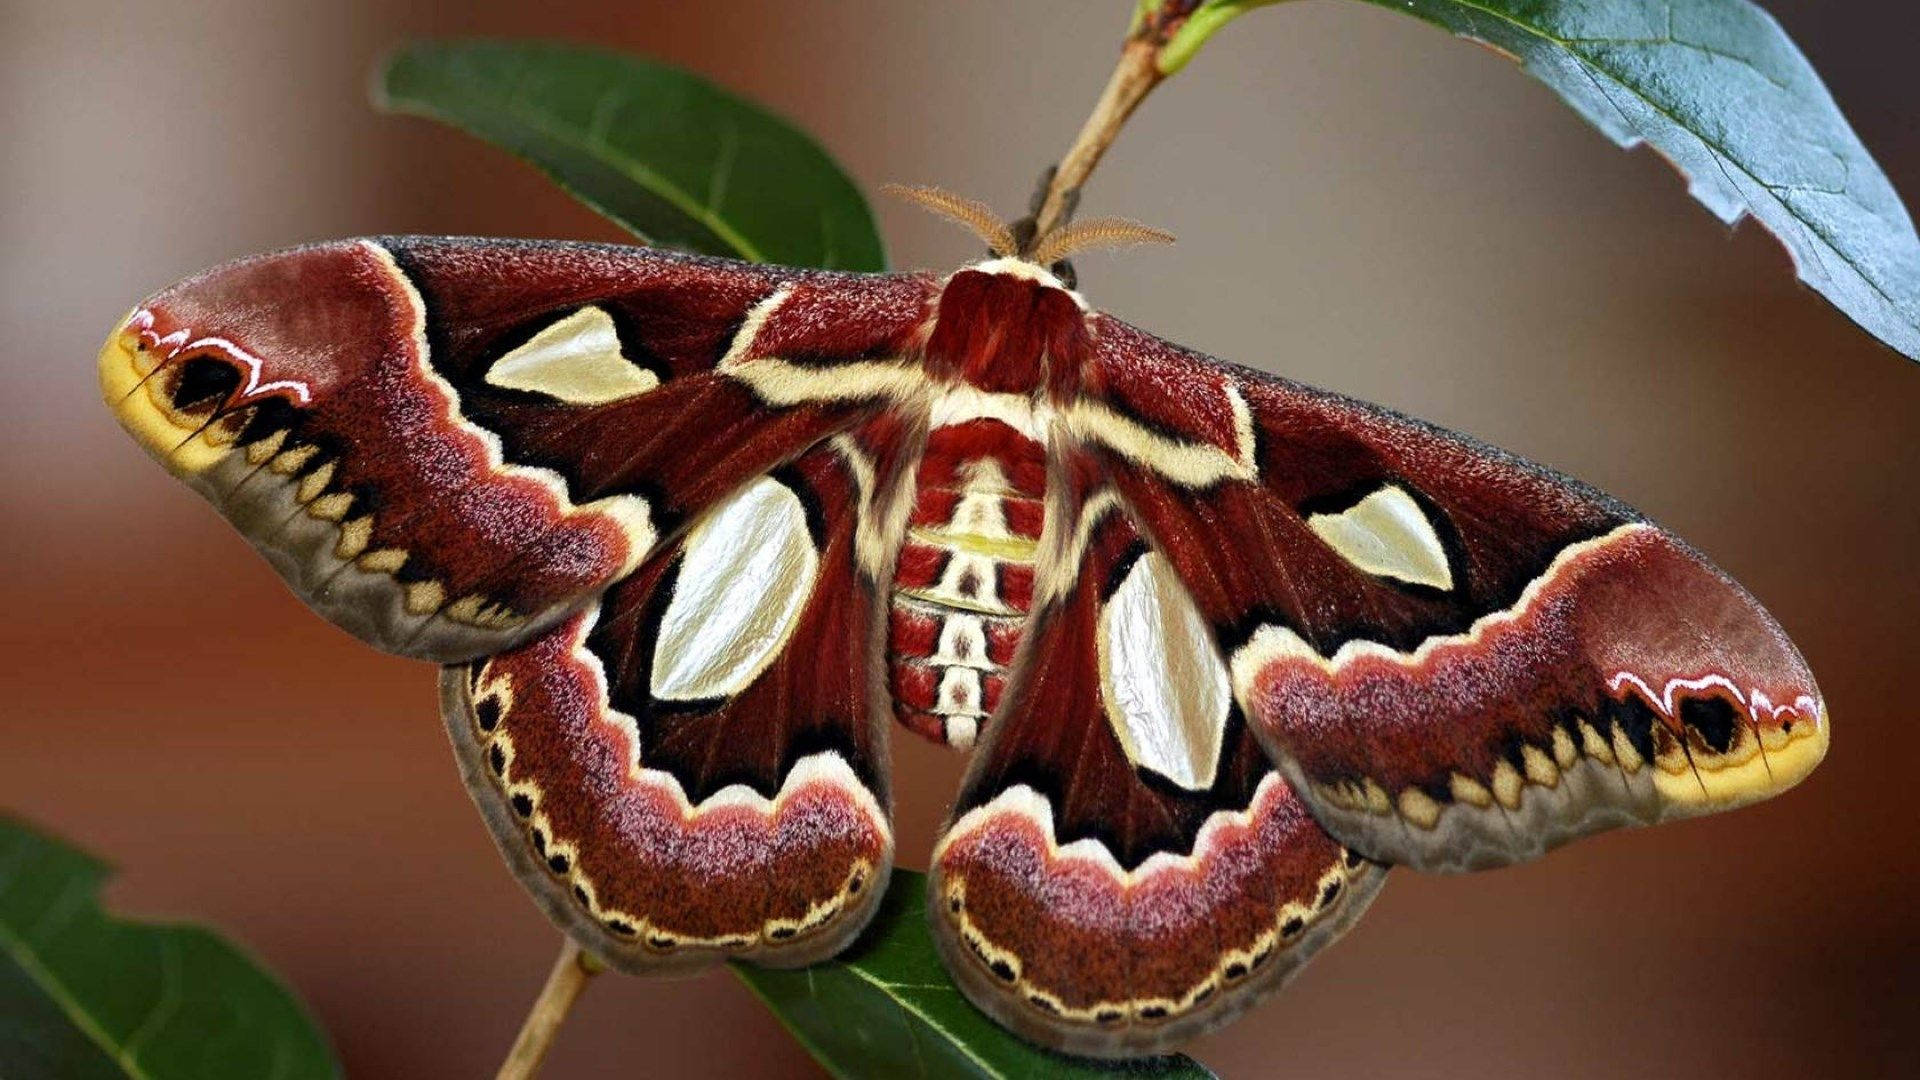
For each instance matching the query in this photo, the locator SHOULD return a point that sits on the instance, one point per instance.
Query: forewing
(1460, 659)
(1125, 869)
(446, 445)
(692, 768)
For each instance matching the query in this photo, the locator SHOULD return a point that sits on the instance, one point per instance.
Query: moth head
(1018, 243)
(200, 364)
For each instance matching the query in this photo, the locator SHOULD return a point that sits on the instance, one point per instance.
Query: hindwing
(1125, 868)
(695, 765)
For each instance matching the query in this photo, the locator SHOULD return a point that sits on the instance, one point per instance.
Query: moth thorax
(1009, 332)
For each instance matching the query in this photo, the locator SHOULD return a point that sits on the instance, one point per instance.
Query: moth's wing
(447, 445)
(692, 767)
(1125, 869)
(1459, 658)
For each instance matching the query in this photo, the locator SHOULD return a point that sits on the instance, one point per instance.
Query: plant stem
(569, 976)
(1134, 77)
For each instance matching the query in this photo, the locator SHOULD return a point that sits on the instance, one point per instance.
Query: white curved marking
(630, 513)
(962, 402)
(576, 359)
(1386, 534)
(1273, 643)
(749, 568)
(757, 317)
(824, 767)
(1187, 463)
(781, 382)
(1165, 687)
(141, 322)
(1022, 801)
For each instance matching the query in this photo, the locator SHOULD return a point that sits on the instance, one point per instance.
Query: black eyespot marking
(1001, 970)
(954, 904)
(522, 805)
(486, 713)
(1203, 995)
(855, 884)
(580, 894)
(1041, 1002)
(1714, 718)
(497, 760)
(1153, 1012)
(1292, 926)
(558, 863)
(659, 942)
(1636, 721)
(1329, 894)
(1236, 970)
(782, 933)
(1108, 1016)
(203, 379)
(1786, 727)
(621, 927)
(1354, 859)
(540, 842)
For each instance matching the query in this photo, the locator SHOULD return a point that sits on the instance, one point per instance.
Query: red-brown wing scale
(670, 803)
(446, 445)
(1459, 658)
(1093, 905)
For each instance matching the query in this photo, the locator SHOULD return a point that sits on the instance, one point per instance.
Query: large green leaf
(84, 995)
(663, 152)
(1717, 87)
(886, 1007)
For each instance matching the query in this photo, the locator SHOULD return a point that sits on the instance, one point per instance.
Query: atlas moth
(688, 535)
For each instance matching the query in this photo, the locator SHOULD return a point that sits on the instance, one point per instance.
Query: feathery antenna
(1092, 233)
(976, 216)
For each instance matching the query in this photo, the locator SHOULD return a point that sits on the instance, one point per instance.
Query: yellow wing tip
(1758, 767)
(139, 401)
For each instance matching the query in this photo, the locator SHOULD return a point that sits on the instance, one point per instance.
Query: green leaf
(670, 156)
(84, 995)
(886, 1007)
(1720, 91)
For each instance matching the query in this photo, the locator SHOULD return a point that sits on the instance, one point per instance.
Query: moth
(689, 535)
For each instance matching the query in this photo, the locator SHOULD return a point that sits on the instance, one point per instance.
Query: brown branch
(569, 976)
(1134, 77)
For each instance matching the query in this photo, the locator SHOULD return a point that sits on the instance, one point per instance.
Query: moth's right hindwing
(1125, 868)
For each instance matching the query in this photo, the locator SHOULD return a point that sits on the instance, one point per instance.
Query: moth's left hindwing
(693, 767)
(445, 446)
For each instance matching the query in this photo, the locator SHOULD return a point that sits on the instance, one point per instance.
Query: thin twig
(569, 976)
(1134, 77)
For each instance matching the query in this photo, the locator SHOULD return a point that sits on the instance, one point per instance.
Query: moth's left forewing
(1460, 658)
(641, 503)
(445, 445)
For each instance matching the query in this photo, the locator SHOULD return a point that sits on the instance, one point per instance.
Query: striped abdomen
(965, 577)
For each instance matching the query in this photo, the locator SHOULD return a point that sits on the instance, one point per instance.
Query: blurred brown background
(1362, 203)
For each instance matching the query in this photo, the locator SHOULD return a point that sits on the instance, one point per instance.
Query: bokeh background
(1363, 203)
